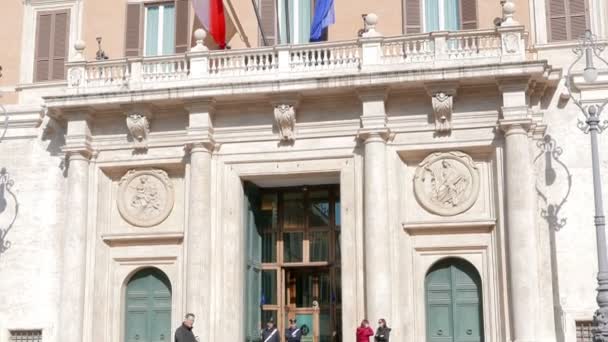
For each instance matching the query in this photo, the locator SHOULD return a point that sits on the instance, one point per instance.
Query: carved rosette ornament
(145, 197)
(138, 123)
(443, 104)
(447, 184)
(285, 119)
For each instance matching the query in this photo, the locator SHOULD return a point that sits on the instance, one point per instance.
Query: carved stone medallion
(447, 184)
(145, 197)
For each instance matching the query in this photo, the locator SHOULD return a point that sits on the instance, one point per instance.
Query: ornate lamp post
(591, 50)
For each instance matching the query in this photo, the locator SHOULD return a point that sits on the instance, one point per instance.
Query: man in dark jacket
(184, 332)
(271, 333)
(293, 333)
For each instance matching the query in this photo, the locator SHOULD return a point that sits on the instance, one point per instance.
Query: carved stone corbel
(442, 97)
(138, 122)
(285, 119)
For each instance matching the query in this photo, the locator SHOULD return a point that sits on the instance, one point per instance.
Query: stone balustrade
(369, 53)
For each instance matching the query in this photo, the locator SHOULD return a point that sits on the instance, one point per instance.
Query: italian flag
(211, 15)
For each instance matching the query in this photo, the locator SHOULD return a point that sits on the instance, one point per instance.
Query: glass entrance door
(294, 260)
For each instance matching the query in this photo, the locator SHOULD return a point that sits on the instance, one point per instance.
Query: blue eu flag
(325, 15)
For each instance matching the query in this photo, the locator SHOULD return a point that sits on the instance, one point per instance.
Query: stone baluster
(520, 212)
(371, 42)
(199, 56)
(75, 229)
(77, 67)
(374, 133)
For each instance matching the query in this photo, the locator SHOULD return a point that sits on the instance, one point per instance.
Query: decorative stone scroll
(145, 197)
(285, 119)
(447, 184)
(443, 104)
(138, 123)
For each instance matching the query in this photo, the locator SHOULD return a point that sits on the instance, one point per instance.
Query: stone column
(377, 234)
(374, 133)
(520, 212)
(74, 238)
(74, 250)
(199, 233)
(521, 234)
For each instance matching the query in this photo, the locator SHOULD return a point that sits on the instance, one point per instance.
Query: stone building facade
(423, 167)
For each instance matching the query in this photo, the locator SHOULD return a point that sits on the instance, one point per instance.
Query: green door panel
(453, 303)
(306, 320)
(148, 307)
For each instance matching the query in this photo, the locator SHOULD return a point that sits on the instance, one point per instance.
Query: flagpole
(257, 15)
(287, 28)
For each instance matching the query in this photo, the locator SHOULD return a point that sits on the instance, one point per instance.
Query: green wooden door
(453, 303)
(148, 307)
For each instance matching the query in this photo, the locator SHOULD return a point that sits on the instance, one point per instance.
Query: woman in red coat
(364, 331)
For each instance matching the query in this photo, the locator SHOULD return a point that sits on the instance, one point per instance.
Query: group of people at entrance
(293, 333)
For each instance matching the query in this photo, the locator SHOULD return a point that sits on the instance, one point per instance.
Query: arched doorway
(148, 307)
(453, 302)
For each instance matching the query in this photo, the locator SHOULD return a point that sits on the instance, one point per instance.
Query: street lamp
(589, 48)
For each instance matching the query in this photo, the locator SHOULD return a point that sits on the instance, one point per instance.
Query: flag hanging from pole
(211, 15)
(325, 15)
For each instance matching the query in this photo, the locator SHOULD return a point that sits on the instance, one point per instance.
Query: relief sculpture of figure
(447, 184)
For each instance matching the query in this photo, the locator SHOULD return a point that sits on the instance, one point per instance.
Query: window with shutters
(285, 21)
(52, 32)
(567, 19)
(26, 336)
(159, 29)
(583, 331)
(439, 15)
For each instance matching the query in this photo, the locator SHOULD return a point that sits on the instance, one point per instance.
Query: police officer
(293, 333)
(271, 333)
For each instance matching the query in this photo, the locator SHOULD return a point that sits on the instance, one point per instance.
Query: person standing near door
(271, 333)
(184, 332)
(293, 333)
(383, 332)
(364, 331)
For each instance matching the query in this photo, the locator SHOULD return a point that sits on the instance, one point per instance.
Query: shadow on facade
(553, 185)
(9, 209)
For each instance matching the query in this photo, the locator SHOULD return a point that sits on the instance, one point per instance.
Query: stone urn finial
(79, 47)
(508, 9)
(199, 36)
(370, 21)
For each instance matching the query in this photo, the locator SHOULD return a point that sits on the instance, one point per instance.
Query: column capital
(374, 135)
(516, 126)
(78, 154)
(201, 146)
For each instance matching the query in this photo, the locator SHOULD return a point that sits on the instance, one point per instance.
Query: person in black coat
(271, 333)
(293, 333)
(383, 333)
(184, 332)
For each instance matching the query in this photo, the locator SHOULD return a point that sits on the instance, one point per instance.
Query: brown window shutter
(268, 19)
(133, 30)
(468, 14)
(42, 65)
(60, 44)
(413, 22)
(558, 29)
(578, 18)
(182, 27)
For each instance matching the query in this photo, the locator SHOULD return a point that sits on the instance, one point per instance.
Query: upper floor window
(439, 15)
(567, 19)
(286, 21)
(157, 29)
(52, 33)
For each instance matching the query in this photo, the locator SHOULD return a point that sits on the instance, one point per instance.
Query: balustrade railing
(437, 49)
